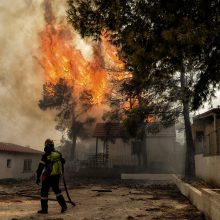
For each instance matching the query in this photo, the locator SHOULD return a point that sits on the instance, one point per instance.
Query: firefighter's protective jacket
(52, 164)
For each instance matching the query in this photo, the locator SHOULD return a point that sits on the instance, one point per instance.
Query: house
(162, 154)
(113, 148)
(18, 162)
(206, 137)
(156, 153)
(206, 132)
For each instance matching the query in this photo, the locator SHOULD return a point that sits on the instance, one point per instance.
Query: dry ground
(125, 201)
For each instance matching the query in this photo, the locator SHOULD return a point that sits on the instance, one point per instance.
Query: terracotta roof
(111, 130)
(14, 148)
(208, 113)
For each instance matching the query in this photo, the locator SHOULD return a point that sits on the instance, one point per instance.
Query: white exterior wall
(161, 150)
(120, 154)
(208, 168)
(17, 165)
(160, 153)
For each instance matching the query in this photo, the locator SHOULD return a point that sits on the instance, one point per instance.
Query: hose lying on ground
(67, 193)
(35, 196)
(26, 193)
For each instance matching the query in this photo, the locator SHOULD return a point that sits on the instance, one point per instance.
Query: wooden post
(96, 151)
(107, 153)
(216, 136)
(103, 156)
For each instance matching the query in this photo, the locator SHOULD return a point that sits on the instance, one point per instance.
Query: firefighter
(52, 166)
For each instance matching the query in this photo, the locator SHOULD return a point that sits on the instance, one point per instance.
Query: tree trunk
(143, 148)
(74, 137)
(73, 147)
(190, 150)
(143, 138)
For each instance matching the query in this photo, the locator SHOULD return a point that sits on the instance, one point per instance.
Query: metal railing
(95, 161)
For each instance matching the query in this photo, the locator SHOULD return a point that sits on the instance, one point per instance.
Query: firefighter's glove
(38, 181)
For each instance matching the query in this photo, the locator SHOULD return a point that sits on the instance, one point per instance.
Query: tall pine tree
(71, 116)
(171, 45)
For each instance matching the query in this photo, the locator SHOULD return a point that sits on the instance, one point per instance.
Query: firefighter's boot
(44, 206)
(62, 203)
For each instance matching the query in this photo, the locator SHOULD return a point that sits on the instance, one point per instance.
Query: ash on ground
(98, 199)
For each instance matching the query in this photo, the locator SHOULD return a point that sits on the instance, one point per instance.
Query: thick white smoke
(21, 77)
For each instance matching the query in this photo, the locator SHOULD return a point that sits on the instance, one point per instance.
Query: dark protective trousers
(51, 182)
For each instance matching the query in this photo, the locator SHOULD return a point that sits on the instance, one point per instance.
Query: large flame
(116, 68)
(60, 59)
(111, 52)
(114, 64)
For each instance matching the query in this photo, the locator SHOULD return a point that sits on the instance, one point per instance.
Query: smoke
(48, 14)
(21, 77)
(84, 60)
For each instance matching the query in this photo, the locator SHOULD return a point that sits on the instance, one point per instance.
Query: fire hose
(25, 194)
(67, 193)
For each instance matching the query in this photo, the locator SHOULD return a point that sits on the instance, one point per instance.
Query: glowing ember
(151, 119)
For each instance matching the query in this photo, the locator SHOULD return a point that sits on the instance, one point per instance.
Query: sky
(21, 76)
(215, 103)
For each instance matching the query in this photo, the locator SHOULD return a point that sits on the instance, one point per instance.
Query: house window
(8, 163)
(199, 136)
(27, 165)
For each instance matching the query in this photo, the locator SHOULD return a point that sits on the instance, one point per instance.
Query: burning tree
(60, 97)
(171, 45)
(74, 86)
(130, 94)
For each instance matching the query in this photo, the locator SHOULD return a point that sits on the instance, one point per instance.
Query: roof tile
(8, 147)
(111, 130)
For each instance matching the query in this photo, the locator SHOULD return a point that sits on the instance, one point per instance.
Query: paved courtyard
(121, 201)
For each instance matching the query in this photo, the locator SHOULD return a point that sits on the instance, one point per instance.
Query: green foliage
(146, 32)
(56, 96)
(135, 121)
(209, 80)
(171, 47)
(71, 112)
